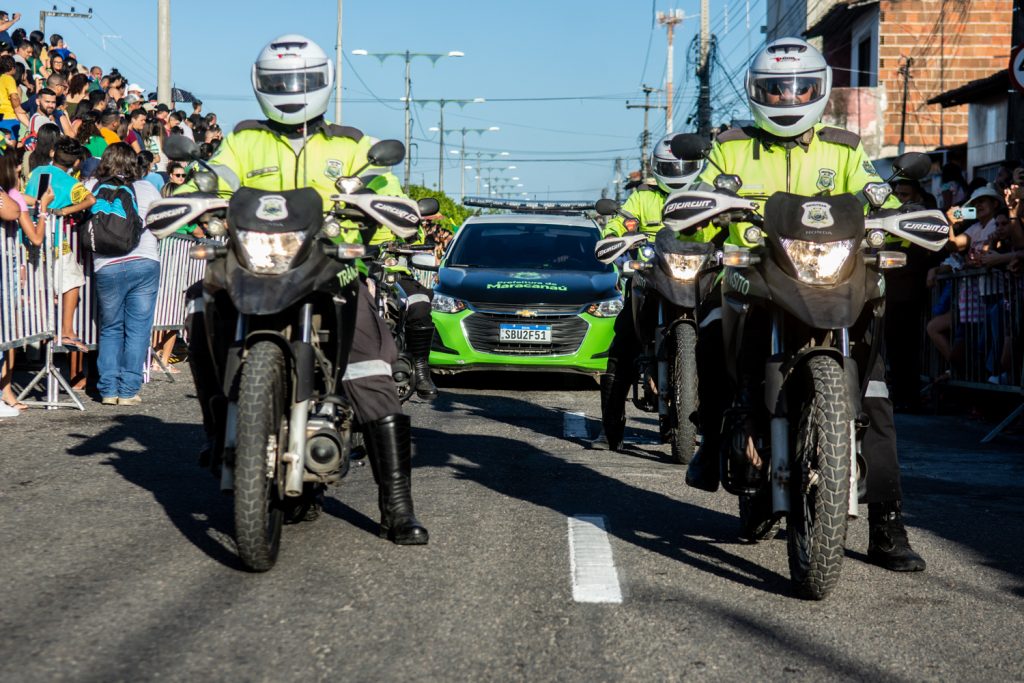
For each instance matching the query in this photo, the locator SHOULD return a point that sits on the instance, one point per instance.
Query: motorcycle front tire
(684, 392)
(259, 510)
(820, 480)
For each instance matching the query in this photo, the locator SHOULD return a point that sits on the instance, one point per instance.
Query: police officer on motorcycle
(641, 212)
(789, 149)
(295, 147)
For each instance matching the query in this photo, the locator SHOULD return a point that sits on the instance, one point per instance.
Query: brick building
(945, 43)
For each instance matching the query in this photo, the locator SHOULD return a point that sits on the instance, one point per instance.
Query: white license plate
(525, 334)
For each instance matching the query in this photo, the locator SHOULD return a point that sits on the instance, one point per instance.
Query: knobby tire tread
(684, 392)
(261, 399)
(816, 546)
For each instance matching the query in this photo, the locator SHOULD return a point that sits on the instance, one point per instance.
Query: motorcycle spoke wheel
(259, 510)
(684, 393)
(820, 481)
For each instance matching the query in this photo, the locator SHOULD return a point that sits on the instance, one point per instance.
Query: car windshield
(527, 246)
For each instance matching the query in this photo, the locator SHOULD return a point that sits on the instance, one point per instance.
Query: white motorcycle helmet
(292, 78)
(671, 172)
(788, 85)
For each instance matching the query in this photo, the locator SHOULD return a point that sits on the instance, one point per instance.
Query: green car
(524, 291)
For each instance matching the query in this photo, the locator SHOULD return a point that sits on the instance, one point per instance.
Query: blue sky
(599, 51)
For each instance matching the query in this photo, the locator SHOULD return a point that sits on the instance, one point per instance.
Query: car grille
(567, 333)
(539, 309)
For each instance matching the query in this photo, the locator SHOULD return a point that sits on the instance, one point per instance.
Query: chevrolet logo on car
(526, 313)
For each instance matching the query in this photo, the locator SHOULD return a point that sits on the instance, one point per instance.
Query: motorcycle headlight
(685, 266)
(270, 253)
(605, 309)
(447, 304)
(818, 263)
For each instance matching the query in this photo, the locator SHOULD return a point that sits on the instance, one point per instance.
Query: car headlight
(685, 266)
(605, 309)
(270, 253)
(818, 263)
(447, 304)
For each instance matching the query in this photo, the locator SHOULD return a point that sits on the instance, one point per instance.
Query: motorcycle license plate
(525, 334)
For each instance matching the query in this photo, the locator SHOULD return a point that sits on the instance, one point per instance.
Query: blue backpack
(115, 226)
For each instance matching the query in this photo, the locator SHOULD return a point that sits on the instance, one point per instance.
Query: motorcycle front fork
(780, 467)
(294, 458)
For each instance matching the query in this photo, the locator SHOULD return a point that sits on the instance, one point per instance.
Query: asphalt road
(117, 562)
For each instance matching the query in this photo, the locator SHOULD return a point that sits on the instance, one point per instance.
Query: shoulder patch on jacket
(839, 136)
(734, 134)
(251, 124)
(333, 130)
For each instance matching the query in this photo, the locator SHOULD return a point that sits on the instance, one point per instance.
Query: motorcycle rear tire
(816, 523)
(259, 510)
(684, 393)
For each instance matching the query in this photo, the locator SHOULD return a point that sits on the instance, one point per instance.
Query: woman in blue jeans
(126, 288)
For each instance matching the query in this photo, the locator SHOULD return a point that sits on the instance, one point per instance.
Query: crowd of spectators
(79, 125)
(971, 294)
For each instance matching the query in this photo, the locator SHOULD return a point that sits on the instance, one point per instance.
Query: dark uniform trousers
(878, 446)
(417, 302)
(367, 380)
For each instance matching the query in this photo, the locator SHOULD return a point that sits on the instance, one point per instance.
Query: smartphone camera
(965, 213)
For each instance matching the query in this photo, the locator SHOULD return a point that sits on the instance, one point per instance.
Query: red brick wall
(977, 43)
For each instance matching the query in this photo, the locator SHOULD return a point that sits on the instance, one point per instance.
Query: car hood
(561, 287)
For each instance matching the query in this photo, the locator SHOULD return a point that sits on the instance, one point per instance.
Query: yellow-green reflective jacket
(646, 204)
(824, 161)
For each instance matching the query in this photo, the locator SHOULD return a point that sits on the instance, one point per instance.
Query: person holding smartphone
(54, 190)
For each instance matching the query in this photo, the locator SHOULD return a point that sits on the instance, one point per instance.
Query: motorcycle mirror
(606, 207)
(180, 148)
(428, 206)
(690, 146)
(912, 165)
(386, 153)
(205, 181)
(424, 262)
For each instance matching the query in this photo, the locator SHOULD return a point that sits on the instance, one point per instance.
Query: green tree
(453, 211)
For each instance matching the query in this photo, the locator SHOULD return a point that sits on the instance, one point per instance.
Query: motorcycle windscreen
(270, 212)
(814, 219)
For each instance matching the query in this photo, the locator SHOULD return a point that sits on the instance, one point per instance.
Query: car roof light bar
(529, 206)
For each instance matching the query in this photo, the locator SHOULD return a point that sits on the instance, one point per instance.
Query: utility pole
(704, 71)
(645, 137)
(904, 71)
(337, 73)
(67, 15)
(618, 180)
(163, 48)
(669, 20)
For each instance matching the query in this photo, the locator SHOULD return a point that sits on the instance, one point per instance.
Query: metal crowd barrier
(985, 335)
(31, 301)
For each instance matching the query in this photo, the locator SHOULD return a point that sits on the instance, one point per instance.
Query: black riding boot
(888, 545)
(417, 343)
(389, 450)
(613, 409)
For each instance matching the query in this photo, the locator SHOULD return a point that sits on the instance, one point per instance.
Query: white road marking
(594, 577)
(575, 425)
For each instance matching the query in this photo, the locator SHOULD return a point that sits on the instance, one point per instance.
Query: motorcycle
(668, 284)
(391, 299)
(788, 304)
(279, 300)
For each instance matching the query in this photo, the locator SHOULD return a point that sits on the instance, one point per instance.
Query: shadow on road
(165, 466)
(687, 533)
